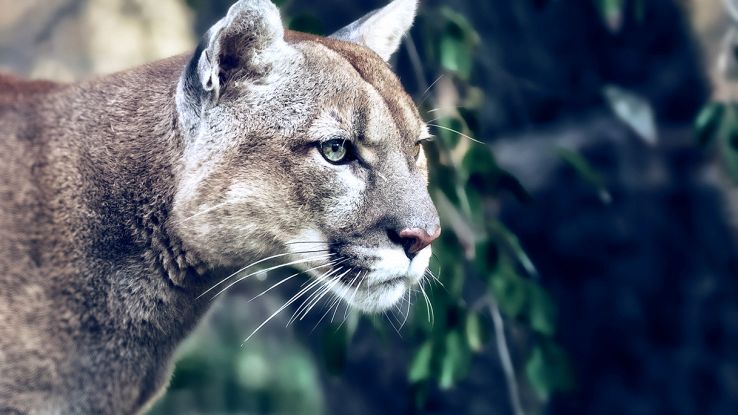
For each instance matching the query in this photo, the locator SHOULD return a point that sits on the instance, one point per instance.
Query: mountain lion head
(306, 149)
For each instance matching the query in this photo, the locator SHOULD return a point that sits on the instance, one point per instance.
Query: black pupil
(335, 147)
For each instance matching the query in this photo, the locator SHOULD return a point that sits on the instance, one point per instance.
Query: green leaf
(477, 332)
(507, 182)
(444, 178)
(486, 255)
(728, 139)
(511, 243)
(456, 46)
(510, 290)
(612, 12)
(548, 370)
(421, 392)
(708, 122)
(634, 110)
(479, 159)
(449, 131)
(420, 368)
(582, 167)
(455, 361)
(541, 310)
(481, 173)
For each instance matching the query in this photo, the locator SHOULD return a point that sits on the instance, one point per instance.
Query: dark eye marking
(419, 143)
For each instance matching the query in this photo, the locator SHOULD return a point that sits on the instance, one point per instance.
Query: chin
(379, 298)
(385, 284)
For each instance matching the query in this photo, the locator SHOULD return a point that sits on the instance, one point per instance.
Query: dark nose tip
(415, 239)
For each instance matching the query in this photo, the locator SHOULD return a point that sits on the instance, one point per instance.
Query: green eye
(336, 151)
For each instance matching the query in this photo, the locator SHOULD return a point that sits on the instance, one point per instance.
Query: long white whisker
(428, 305)
(338, 303)
(393, 324)
(301, 261)
(327, 279)
(334, 283)
(330, 264)
(397, 320)
(457, 132)
(435, 278)
(335, 310)
(424, 97)
(287, 304)
(353, 296)
(425, 300)
(444, 108)
(334, 299)
(395, 311)
(407, 313)
(251, 265)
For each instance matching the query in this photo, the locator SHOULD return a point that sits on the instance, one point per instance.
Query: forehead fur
(374, 71)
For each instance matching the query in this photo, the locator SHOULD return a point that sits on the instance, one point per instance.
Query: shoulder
(14, 86)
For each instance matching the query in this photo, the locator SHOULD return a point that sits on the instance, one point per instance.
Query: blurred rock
(72, 39)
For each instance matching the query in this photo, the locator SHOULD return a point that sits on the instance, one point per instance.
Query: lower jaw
(379, 297)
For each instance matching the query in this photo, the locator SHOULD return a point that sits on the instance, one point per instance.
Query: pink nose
(415, 239)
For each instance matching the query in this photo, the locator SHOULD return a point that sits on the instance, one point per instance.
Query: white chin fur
(378, 299)
(392, 276)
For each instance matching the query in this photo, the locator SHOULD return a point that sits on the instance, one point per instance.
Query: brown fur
(87, 173)
(123, 198)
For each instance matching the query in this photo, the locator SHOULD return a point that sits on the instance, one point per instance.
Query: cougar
(126, 198)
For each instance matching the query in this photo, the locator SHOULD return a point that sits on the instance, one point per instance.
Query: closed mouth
(391, 281)
(370, 283)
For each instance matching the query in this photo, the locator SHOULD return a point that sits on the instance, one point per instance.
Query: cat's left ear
(382, 30)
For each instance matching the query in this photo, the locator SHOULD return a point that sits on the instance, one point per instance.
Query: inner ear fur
(383, 29)
(243, 43)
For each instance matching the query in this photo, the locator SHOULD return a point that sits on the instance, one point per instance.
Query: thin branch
(505, 359)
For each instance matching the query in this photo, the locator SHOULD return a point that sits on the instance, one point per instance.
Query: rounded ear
(246, 41)
(382, 30)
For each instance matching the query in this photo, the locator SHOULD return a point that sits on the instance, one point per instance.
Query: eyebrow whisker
(457, 132)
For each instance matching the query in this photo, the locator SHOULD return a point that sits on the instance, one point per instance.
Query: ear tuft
(382, 30)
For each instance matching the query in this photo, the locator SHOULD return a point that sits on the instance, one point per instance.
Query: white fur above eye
(382, 30)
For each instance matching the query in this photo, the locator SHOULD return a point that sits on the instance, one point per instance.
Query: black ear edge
(192, 84)
(228, 62)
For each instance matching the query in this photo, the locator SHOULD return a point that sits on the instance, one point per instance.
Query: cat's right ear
(246, 43)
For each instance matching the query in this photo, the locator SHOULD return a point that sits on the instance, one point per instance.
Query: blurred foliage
(613, 12)
(214, 374)
(634, 111)
(481, 263)
(587, 173)
(718, 123)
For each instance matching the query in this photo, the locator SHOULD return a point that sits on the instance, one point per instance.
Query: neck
(132, 157)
